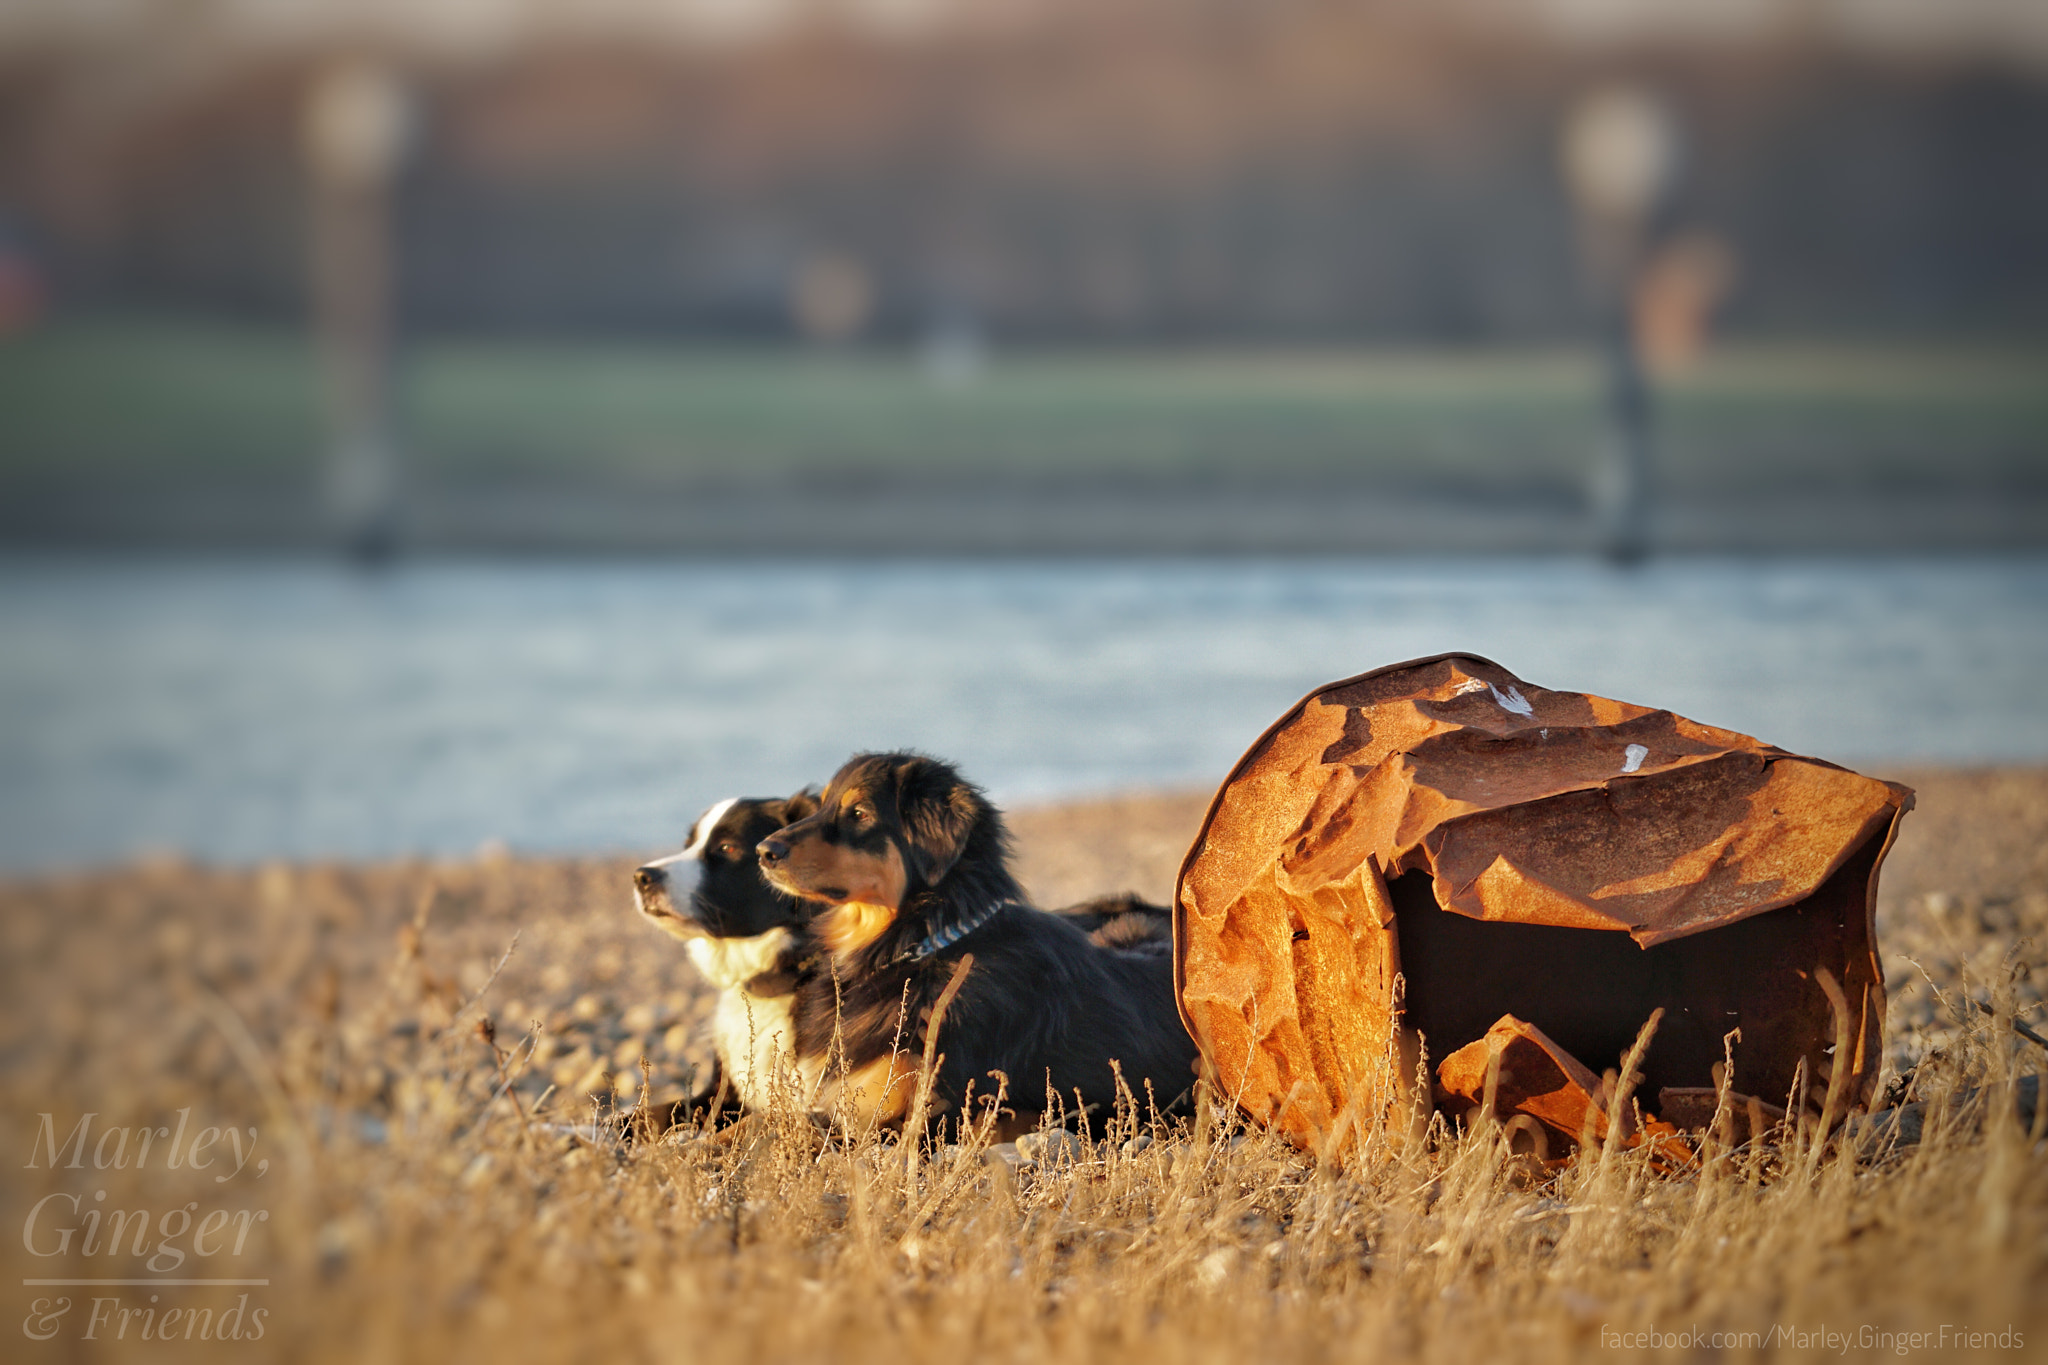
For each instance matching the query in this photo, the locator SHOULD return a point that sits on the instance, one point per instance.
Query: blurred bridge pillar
(356, 118)
(1619, 152)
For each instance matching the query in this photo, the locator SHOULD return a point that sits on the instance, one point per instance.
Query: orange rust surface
(1536, 1077)
(1448, 786)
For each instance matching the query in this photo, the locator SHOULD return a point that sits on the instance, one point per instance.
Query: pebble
(1051, 1146)
(570, 1067)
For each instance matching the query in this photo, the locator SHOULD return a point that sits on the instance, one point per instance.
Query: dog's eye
(859, 815)
(726, 848)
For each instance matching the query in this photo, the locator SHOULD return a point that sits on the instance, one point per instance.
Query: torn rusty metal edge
(1253, 750)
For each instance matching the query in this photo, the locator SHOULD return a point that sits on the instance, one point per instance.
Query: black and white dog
(748, 940)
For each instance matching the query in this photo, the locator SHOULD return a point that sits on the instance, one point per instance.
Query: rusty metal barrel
(1437, 857)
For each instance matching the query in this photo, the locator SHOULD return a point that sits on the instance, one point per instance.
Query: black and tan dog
(908, 865)
(751, 943)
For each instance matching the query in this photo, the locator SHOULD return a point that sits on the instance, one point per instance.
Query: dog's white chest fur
(756, 1040)
(755, 1035)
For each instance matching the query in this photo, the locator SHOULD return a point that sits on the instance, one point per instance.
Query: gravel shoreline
(416, 1042)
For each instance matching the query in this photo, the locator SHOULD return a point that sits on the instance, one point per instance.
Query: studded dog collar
(938, 940)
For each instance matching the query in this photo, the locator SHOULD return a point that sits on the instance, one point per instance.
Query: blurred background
(461, 419)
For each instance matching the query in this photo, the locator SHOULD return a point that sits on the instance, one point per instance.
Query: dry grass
(419, 1207)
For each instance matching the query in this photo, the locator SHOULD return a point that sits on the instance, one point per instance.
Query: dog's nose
(649, 878)
(772, 851)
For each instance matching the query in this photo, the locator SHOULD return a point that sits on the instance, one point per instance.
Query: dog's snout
(772, 851)
(649, 878)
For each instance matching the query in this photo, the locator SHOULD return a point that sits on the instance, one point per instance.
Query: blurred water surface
(248, 709)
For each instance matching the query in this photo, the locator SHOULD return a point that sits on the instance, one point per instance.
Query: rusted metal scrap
(1418, 856)
(1517, 1070)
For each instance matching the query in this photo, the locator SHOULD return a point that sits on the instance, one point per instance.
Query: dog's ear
(801, 806)
(939, 809)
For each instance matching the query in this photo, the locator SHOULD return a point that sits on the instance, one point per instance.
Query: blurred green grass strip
(85, 402)
(125, 400)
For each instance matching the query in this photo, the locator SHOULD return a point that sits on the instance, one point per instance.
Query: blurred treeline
(1290, 171)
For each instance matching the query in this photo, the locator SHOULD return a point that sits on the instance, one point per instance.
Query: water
(245, 710)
